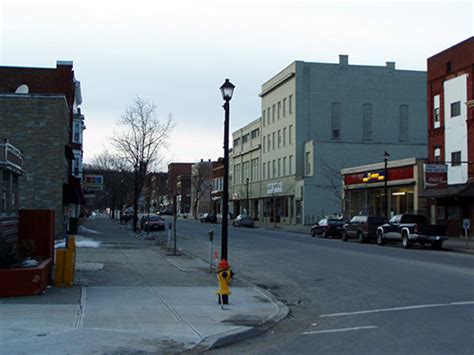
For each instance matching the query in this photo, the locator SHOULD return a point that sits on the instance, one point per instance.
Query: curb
(241, 333)
(232, 336)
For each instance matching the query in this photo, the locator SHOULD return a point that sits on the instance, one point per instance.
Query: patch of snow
(29, 262)
(81, 242)
(87, 230)
(89, 266)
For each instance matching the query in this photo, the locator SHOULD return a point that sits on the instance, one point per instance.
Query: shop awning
(463, 190)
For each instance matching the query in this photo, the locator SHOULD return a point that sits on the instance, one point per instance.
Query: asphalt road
(349, 298)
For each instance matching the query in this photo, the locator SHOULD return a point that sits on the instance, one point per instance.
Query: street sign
(93, 182)
(274, 187)
(466, 223)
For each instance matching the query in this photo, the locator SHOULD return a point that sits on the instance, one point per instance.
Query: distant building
(245, 193)
(217, 191)
(201, 187)
(174, 171)
(451, 133)
(183, 194)
(39, 112)
(159, 191)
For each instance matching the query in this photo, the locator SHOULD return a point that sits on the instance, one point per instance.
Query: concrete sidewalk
(129, 297)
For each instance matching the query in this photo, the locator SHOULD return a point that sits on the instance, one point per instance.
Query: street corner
(251, 311)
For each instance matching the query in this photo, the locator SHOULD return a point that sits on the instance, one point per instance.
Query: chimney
(343, 59)
(390, 65)
(64, 63)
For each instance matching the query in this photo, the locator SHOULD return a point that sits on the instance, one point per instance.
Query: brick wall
(39, 126)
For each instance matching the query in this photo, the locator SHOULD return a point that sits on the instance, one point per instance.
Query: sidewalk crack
(81, 309)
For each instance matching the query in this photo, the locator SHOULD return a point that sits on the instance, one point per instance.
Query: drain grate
(296, 302)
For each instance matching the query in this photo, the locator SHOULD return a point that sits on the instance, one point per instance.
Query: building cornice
(280, 82)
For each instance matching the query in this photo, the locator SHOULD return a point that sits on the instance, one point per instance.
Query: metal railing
(11, 158)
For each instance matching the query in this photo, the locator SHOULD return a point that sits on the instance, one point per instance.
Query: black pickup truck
(409, 229)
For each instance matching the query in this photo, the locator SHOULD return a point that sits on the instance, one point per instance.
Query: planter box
(25, 281)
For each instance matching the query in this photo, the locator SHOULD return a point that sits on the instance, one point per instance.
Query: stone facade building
(40, 113)
(39, 124)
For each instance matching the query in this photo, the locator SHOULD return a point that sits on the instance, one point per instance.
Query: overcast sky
(178, 53)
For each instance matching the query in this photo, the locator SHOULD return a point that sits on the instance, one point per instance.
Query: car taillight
(416, 229)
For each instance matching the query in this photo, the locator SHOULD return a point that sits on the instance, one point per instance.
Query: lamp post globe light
(227, 90)
(385, 173)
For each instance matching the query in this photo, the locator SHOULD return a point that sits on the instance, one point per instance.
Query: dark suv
(362, 228)
(328, 227)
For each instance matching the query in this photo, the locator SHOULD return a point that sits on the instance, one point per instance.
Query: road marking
(397, 309)
(339, 330)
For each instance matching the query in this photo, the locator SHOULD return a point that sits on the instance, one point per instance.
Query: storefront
(365, 188)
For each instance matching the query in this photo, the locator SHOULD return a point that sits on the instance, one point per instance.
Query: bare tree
(140, 141)
(333, 181)
(201, 183)
(117, 180)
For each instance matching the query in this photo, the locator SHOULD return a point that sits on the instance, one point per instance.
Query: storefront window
(454, 212)
(401, 200)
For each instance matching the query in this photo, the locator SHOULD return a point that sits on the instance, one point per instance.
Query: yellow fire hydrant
(224, 277)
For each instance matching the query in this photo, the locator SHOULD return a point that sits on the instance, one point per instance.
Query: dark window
(455, 158)
(448, 67)
(437, 154)
(335, 119)
(436, 114)
(245, 139)
(367, 121)
(403, 117)
(254, 133)
(456, 109)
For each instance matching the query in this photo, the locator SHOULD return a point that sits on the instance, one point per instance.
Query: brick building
(450, 107)
(217, 185)
(174, 171)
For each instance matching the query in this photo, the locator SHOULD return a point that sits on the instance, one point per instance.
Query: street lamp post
(135, 199)
(248, 201)
(385, 173)
(227, 89)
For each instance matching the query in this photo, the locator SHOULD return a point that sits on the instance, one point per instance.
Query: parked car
(165, 213)
(328, 227)
(208, 218)
(409, 229)
(127, 214)
(149, 223)
(362, 228)
(243, 220)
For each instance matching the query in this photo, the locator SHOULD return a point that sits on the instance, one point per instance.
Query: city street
(348, 297)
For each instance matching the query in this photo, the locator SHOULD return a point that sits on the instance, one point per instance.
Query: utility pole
(385, 179)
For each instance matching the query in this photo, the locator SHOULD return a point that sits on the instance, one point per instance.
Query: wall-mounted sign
(93, 182)
(274, 187)
(436, 175)
(374, 176)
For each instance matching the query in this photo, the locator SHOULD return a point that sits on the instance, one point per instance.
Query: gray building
(318, 118)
